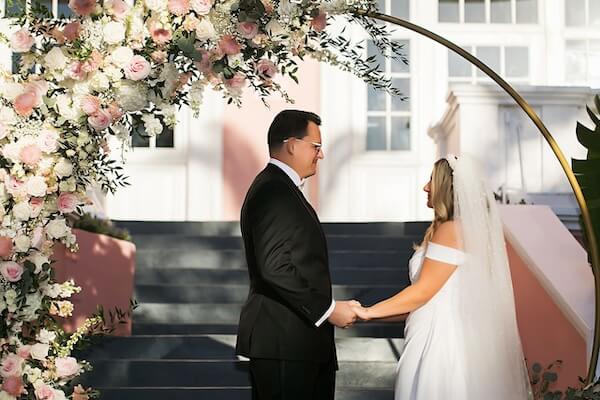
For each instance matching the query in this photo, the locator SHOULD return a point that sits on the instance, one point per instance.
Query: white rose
(55, 59)
(6, 396)
(22, 211)
(46, 336)
(114, 32)
(39, 260)
(57, 228)
(100, 82)
(11, 151)
(63, 168)
(22, 243)
(33, 374)
(10, 90)
(235, 61)
(39, 351)
(36, 186)
(121, 56)
(205, 30)
(8, 115)
(274, 28)
(156, 5)
(152, 125)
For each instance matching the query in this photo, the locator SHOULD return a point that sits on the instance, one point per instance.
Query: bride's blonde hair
(442, 197)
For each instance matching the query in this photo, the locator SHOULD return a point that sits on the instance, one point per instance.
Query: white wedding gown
(432, 364)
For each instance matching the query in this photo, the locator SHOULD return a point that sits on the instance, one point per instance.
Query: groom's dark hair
(290, 123)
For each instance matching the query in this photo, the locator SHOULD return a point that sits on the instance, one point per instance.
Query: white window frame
(587, 17)
(475, 78)
(488, 14)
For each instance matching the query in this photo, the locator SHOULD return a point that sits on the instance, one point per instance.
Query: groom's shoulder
(267, 184)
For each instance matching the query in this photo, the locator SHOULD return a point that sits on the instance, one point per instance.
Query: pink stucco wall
(245, 150)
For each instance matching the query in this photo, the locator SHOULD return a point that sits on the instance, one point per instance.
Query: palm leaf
(587, 171)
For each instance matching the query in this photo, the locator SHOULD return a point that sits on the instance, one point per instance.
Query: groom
(286, 324)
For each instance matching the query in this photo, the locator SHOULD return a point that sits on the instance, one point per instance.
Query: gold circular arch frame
(587, 222)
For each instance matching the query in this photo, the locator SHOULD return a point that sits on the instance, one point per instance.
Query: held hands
(361, 312)
(343, 315)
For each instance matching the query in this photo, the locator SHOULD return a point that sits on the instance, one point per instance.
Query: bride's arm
(433, 276)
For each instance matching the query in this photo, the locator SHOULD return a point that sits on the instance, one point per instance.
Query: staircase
(191, 281)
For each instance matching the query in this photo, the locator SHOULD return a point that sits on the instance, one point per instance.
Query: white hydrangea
(39, 351)
(114, 32)
(152, 125)
(63, 168)
(57, 228)
(132, 96)
(21, 211)
(46, 336)
(55, 59)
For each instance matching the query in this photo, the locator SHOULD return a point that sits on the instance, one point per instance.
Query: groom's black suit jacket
(290, 285)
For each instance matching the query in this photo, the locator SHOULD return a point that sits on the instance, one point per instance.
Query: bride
(461, 336)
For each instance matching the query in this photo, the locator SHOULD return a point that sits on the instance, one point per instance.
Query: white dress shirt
(298, 181)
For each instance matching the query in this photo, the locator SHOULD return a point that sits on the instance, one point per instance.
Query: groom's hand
(343, 316)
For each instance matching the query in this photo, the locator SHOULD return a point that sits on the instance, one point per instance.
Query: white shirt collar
(288, 170)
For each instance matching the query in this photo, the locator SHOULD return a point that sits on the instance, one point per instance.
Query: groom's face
(306, 153)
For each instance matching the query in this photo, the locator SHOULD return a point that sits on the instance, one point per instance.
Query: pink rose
(72, 30)
(21, 41)
(118, 8)
(115, 111)
(178, 7)
(100, 120)
(36, 204)
(75, 71)
(30, 155)
(319, 23)
(204, 64)
(67, 202)
(44, 392)
(39, 88)
(66, 366)
(92, 63)
(137, 69)
(228, 45)
(248, 29)
(79, 393)
(24, 103)
(90, 104)
(266, 69)
(202, 7)
(24, 351)
(160, 35)
(48, 141)
(82, 7)
(12, 365)
(237, 82)
(13, 185)
(11, 271)
(6, 247)
(13, 385)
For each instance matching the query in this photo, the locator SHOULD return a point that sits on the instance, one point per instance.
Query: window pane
(458, 67)
(381, 6)
(516, 62)
(474, 11)
(490, 56)
(576, 60)
(138, 139)
(448, 10)
(527, 11)
(404, 85)
(375, 99)
(400, 9)
(400, 133)
(594, 63)
(15, 8)
(376, 134)
(63, 9)
(397, 65)
(500, 10)
(166, 138)
(575, 12)
(372, 50)
(595, 12)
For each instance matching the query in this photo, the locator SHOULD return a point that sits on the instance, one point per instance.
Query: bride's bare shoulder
(448, 234)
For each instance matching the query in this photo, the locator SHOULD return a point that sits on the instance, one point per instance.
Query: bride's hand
(361, 312)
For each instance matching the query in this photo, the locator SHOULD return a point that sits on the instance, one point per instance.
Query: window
(489, 11)
(164, 140)
(388, 117)
(397, 8)
(511, 62)
(582, 59)
(581, 13)
(59, 8)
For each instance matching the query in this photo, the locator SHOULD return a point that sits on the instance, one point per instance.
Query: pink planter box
(104, 268)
